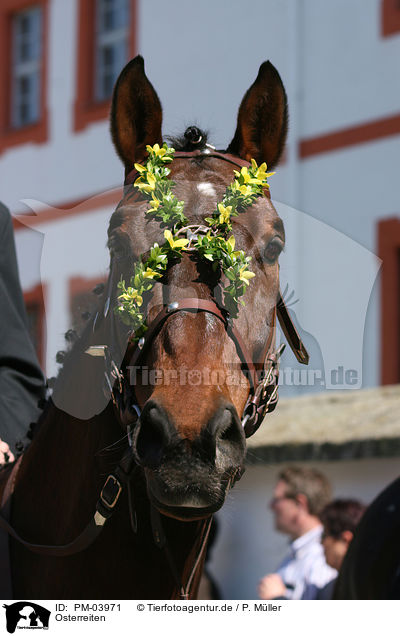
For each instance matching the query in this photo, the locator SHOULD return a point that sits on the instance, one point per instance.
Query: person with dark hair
(21, 379)
(299, 497)
(340, 519)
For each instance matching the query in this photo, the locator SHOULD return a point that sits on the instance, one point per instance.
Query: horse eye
(272, 251)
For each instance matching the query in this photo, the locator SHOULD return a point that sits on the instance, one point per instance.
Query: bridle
(263, 393)
(262, 399)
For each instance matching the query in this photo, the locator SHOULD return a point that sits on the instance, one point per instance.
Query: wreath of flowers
(213, 243)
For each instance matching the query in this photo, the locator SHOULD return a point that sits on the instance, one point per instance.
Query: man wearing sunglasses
(300, 495)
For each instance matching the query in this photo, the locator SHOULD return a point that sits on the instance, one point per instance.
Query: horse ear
(136, 114)
(262, 119)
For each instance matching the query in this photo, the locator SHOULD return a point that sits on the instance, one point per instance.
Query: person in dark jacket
(21, 379)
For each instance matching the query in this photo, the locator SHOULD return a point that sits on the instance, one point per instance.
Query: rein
(262, 399)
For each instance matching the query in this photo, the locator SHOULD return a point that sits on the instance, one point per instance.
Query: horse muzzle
(189, 479)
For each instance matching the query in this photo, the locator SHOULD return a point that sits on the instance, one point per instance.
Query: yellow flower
(259, 178)
(224, 213)
(151, 180)
(159, 152)
(150, 273)
(143, 187)
(245, 174)
(146, 187)
(261, 171)
(245, 275)
(155, 203)
(156, 150)
(246, 190)
(175, 243)
(139, 167)
(132, 295)
(231, 241)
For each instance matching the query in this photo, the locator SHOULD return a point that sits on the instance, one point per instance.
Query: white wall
(201, 58)
(64, 255)
(350, 73)
(350, 77)
(214, 52)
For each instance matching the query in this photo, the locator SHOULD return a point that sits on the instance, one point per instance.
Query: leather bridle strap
(106, 503)
(207, 152)
(263, 390)
(160, 540)
(210, 152)
(290, 332)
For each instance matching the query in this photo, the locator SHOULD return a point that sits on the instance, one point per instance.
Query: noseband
(263, 393)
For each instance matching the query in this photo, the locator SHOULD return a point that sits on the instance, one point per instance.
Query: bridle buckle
(110, 492)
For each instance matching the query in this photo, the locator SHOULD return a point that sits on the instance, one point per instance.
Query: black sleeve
(21, 379)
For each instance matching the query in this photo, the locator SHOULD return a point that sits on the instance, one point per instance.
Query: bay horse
(154, 460)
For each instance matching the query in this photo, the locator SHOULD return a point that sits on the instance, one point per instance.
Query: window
(25, 93)
(111, 44)
(23, 65)
(107, 31)
(390, 17)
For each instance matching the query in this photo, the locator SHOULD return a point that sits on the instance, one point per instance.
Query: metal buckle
(266, 383)
(110, 492)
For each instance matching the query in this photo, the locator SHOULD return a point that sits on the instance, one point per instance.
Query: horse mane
(193, 138)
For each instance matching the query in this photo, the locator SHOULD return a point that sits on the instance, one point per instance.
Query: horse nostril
(229, 431)
(226, 432)
(151, 436)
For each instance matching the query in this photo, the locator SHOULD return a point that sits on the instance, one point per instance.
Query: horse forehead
(201, 184)
(206, 187)
(192, 179)
(208, 177)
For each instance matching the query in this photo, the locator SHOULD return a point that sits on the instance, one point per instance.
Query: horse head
(190, 384)
(172, 372)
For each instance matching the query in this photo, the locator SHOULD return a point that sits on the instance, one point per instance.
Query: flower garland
(214, 245)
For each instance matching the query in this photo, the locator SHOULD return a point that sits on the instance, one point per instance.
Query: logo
(26, 615)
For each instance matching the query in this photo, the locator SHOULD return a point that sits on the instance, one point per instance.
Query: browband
(204, 153)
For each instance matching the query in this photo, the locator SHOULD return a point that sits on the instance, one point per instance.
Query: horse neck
(59, 483)
(63, 468)
(62, 475)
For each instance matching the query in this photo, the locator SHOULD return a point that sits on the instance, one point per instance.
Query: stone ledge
(355, 449)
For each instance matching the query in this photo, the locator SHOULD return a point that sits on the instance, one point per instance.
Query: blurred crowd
(320, 531)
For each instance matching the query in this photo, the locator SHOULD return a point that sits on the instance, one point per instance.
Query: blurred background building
(337, 186)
